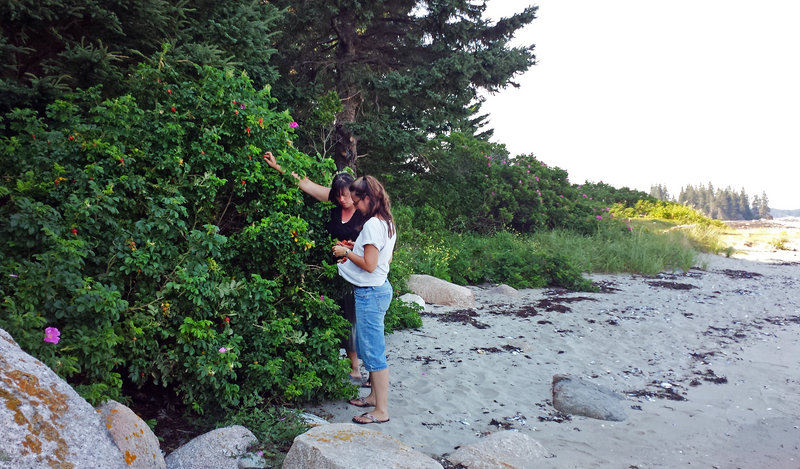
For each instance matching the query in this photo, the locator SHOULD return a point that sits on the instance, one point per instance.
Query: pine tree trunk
(346, 149)
(346, 142)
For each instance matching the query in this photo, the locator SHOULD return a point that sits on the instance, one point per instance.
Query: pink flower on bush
(222, 350)
(599, 217)
(52, 335)
(294, 125)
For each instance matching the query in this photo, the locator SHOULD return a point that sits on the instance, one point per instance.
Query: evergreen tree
(404, 70)
(710, 206)
(48, 48)
(744, 206)
(688, 196)
(725, 205)
(763, 206)
(756, 207)
(659, 192)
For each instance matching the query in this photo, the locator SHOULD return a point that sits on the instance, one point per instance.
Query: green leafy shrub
(504, 257)
(470, 185)
(662, 210)
(146, 230)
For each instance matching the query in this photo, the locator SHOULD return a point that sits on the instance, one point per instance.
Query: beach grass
(647, 248)
(640, 247)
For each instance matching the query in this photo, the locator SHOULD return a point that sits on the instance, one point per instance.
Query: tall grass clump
(638, 250)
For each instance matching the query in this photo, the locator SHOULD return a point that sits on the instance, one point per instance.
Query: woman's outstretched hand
(270, 159)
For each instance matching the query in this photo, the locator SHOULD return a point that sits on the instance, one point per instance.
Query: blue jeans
(371, 306)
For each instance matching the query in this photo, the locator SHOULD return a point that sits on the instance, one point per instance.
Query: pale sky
(642, 92)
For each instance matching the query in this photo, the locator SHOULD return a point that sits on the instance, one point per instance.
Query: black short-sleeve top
(344, 231)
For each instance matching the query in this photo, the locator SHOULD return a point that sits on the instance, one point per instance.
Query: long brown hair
(379, 203)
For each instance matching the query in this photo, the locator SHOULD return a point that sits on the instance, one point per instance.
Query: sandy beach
(708, 361)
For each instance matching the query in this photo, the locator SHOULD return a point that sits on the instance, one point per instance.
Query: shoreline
(708, 361)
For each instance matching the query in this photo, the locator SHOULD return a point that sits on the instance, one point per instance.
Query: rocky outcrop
(581, 397)
(350, 446)
(217, 449)
(507, 449)
(44, 422)
(440, 292)
(138, 444)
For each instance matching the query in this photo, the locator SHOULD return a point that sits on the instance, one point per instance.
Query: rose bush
(147, 230)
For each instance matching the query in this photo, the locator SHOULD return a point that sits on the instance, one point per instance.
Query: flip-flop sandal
(367, 415)
(360, 402)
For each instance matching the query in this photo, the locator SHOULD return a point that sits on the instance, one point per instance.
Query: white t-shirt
(376, 233)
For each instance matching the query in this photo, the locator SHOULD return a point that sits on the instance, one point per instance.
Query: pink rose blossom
(52, 335)
(294, 125)
(222, 350)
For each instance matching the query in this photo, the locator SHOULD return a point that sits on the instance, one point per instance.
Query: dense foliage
(144, 229)
(49, 48)
(470, 185)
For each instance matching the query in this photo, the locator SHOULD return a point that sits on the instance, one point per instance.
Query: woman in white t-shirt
(366, 266)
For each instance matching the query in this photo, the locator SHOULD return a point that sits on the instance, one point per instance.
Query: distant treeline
(719, 204)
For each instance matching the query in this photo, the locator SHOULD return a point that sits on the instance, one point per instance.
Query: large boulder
(507, 449)
(217, 449)
(439, 292)
(351, 446)
(43, 421)
(138, 444)
(581, 397)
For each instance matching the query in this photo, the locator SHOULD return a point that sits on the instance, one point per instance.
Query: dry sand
(708, 360)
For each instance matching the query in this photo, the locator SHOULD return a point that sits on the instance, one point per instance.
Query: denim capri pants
(371, 306)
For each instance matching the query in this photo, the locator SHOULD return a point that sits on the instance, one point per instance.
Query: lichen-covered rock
(43, 421)
(138, 444)
(507, 449)
(350, 446)
(440, 292)
(217, 449)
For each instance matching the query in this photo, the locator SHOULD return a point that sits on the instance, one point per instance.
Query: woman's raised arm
(306, 185)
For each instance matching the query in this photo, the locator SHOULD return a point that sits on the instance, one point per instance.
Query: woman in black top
(344, 225)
